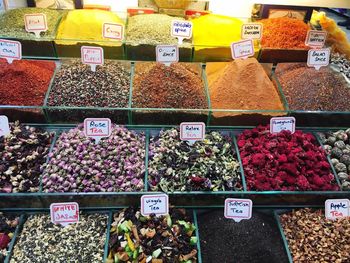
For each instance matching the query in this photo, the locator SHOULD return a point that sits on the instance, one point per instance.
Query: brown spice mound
(176, 86)
(241, 84)
(308, 89)
(284, 32)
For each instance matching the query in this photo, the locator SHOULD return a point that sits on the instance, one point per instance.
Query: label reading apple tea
(242, 49)
(251, 31)
(238, 209)
(92, 56)
(155, 204)
(64, 213)
(10, 50)
(35, 23)
(318, 58)
(181, 29)
(192, 132)
(97, 128)
(113, 31)
(167, 54)
(279, 124)
(4, 126)
(337, 208)
(316, 38)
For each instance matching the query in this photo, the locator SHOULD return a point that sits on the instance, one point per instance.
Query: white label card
(113, 31)
(10, 50)
(155, 204)
(337, 208)
(242, 49)
(97, 128)
(192, 131)
(316, 38)
(4, 126)
(238, 209)
(92, 56)
(251, 31)
(279, 124)
(167, 54)
(318, 58)
(181, 29)
(35, 23)
(64, 213)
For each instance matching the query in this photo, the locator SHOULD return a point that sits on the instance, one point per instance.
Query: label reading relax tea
(238, 209)
(35, 23)
(10, 50)
(337, 208)
(279, 124)
(113, 31)
(242, 49)
(92, 56)
(251, 31)
(167, 54)
(318, 58)
(4, 126)
(64, 213)
(316, 38)
(192, 131)
(97, 128)
(181, 29)
(155, 204)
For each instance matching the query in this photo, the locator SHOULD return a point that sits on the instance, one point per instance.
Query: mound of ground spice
(176, 86)
(25, 82)
(284, 32)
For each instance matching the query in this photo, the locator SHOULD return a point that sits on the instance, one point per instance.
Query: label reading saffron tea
(251, 31)
(318, 58)
(113, 31)
(242, 49)
(316, 38)
(181, 29)
(337, 208)
(192, 131)
(10, 50)
(4, 126)
(238, 209)
(155, 204)
(279, 124)
(35, 23)
(64, 213)
(167, 54)
(92, 56)
(97, 128)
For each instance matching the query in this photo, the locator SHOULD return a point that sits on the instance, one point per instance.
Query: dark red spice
(284, 161)
(24, 82)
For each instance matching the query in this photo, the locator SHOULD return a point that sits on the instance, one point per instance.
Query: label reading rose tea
(64, 213)
(242, 49)
(192, 131)
(251, 31)
(337, 208)
(316, 38)
(167, 54)
(35, 23)
(318, 58)
(238, 209)
(155, 204)
(181, 29)
(113, 31)
(92, 56)
(97, 128)
(279, 124)
(4, 126)
(10, 50)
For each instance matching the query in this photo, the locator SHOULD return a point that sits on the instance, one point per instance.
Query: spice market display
(160, 131)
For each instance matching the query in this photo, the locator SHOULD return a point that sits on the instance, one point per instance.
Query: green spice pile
(8, 224)
(163, 239)
(313, 238)
(41, 241)
(76, 85)
(208, 165)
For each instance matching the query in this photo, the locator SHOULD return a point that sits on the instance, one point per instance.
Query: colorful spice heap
(8, 224)
(284, 33)
(25, 82)
(76, 85)
(115, 164)
(341, 64)
(309, 89)
(337, 145)
(41, 241)
(176, 86)
(313, 238)
(22, 153)
(231, 86)
(162, 239)
(208, 165)
(284, 161)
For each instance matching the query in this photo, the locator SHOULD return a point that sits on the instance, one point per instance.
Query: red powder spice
(25, 82)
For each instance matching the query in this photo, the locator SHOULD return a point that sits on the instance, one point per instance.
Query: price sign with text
(154, 204)
(113, 31)
(316, 38)
(242, 49)
(192, 131)
(337, 208)
(167, 54)
(318, 58)
(64, 213)
(4, 126)
(92, 56)
(181, 29)
(35, 23)
(10, 50)
(251, 31)
(279, 124)
(97, 128)
(238, 209)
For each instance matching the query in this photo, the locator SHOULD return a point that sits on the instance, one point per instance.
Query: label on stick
(181, 29)
(92, 56)
(10, 50)
(242, 49)
(167, 54)
(279, 124)
(318, 58)
(97, 128)
(4, 126)
(192, 131)
(238, 209)
(251, 31)
(35, 23)
(316, 38)
(337, 208)
(155, 204)
(113, 31)
(64, 213)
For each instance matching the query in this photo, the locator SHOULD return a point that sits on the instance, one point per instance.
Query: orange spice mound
(284, 32)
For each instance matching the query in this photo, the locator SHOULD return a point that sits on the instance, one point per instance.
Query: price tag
(181, 29)
(64, 213)
(242, 49)
(97, 128)
(316, 38)
(167, 54)
(35, 23)
(251, 31)
(92, 56)
(238, 209)
(337, 208)
(192, 131)
(4, 126)
(154, 204)
(282, 124)
(318, 58)
(113, 31)
(10, 50)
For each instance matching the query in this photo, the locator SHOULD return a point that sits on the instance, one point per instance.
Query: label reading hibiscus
(92, 56)
(318, 58)
(337, 208)
(113, 31)
(97, 128)
(279, 124)
(35, 23)
(155, 204)
(238, 209)
(10, 50)
(242, 49)
(64, 213)
(316, 38)
(4, 126)
(251, 31)
(181, 29)
(192, 131)
(167, 54)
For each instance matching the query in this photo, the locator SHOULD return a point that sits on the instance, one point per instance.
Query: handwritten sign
(113, 31)
(181, 29)
(167, 54)
(337, 208)
(35, 23)
(64, 213)
(10, 50)
(242, 49)
(154, 204)
(238, 209)
(4, 126)
(92, 56)
(97, 128)
(279, 124)
(251, 31)
(192, 131)
(318, 58)
(316, 38)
